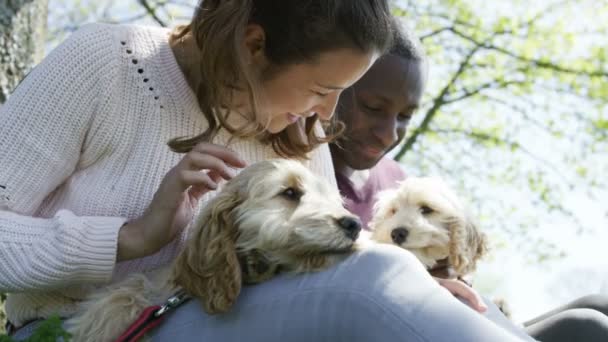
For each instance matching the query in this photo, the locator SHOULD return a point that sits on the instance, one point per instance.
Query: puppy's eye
(425, 210)
(392, 211)
(292, 194)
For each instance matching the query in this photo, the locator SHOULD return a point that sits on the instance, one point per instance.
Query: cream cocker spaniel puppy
(425, 217)
(275, 215)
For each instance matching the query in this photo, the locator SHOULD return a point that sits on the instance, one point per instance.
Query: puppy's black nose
(351, 225)
(399, 235)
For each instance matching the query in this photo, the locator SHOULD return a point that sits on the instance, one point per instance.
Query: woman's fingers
(199, 171)
(214, 159)
(198, 161)
(176, 199)
(198, 179)
(196, 191)
(223, 153)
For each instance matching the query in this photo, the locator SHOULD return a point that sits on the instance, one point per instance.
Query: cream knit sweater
(82, 150)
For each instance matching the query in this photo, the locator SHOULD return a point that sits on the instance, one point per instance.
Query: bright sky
(532, 289)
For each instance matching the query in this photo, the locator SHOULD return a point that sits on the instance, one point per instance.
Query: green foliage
(2, 314)
(517, 100)
(49, 331)
(601, 124)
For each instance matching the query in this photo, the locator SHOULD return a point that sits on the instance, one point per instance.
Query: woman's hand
(460, 289)
(176, 200)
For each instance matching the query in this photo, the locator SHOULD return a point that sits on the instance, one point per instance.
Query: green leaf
(50, 330)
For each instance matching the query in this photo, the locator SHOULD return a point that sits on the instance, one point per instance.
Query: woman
(90, 192)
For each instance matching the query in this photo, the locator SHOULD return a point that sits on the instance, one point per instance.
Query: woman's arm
(44, 125)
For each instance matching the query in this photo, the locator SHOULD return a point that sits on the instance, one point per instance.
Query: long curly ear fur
(467, 245)
(208, 267)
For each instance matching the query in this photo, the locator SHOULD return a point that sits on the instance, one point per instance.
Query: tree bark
(23, 26)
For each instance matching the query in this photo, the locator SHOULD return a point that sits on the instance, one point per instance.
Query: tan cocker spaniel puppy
(425, 217)
(274, 216)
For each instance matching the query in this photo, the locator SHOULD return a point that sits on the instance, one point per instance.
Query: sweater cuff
(93, 246)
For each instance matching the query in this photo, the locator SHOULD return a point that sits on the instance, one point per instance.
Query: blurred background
(515, 117)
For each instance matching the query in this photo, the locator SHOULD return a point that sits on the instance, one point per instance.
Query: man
(376, 111)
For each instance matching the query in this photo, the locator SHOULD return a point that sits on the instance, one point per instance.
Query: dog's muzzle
(399, 235)
(351, 226)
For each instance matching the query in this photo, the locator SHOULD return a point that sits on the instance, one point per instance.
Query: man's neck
(342, 168)
(339, 165)
(357, 177)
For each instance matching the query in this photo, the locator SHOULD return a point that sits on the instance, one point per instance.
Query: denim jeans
(380, 294)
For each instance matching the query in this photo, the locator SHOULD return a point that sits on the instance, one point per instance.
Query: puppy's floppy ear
(467, 245)
(208, 267)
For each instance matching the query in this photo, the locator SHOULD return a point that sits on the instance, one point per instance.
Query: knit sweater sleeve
(43, 126)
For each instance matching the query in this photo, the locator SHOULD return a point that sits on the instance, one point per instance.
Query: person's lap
(380, 294)
(587, 325)
(584, 319)
(372, 296)
(495, 315)
(595, 301)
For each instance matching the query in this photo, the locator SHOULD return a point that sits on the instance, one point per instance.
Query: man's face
(377, 109)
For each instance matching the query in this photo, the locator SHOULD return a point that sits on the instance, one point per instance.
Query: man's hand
(460, 289)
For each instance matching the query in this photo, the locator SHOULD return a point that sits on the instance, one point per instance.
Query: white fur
(445, 232)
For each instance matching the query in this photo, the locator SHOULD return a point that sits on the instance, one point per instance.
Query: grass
(2, 314)
(49, 330)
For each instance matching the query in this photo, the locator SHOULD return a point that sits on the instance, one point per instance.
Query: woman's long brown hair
(297, 31)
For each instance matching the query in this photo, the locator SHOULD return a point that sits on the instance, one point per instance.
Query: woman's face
(377, 110)
(302, 90)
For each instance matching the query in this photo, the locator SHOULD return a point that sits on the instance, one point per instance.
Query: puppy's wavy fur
(275, 215)
(436, 224)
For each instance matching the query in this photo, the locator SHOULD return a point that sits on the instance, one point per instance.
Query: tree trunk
(22, 39)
